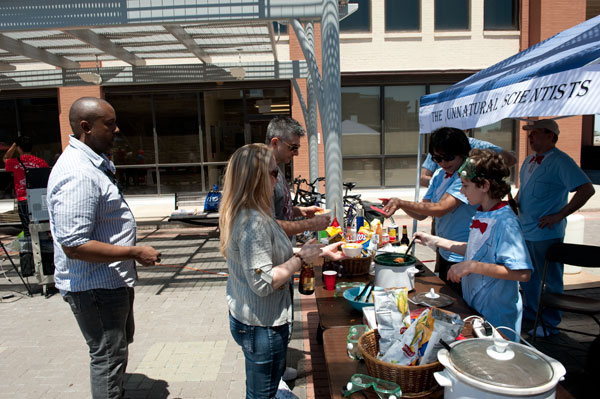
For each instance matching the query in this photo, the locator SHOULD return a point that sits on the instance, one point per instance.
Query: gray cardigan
(257, 244)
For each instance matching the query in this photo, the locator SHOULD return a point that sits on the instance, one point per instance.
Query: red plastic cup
(329, 277)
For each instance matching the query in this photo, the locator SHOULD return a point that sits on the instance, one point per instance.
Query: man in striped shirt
(94, 236)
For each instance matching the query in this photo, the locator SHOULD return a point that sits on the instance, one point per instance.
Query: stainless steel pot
(486, 368)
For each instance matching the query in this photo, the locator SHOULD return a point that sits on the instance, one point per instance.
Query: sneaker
(289, 374)
(539, 332)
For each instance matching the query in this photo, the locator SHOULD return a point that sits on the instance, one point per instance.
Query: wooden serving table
(336, 315)
(335, 311)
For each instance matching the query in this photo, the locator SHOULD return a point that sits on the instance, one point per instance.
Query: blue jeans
(265, 350)
(554, 282)
(105, 318)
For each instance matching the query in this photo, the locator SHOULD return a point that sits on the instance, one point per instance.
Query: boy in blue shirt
(496, 256)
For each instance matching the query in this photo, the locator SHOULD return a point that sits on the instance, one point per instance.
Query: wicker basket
(356, 266)
(415, 381)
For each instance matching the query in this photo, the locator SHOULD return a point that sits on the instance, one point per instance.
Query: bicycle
(304, 197)
(351, 203)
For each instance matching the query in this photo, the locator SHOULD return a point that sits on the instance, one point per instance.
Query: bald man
(95, 248)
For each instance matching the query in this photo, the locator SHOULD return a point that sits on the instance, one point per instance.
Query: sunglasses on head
(274, 172)
(440, 158)
(291, 147)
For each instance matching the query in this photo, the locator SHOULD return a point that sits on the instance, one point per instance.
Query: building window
(501, 15)
(404, 15)
(378, 155)
(361, 121)
(180, 141)
(452, 15)
(502, 134)
(360, 20)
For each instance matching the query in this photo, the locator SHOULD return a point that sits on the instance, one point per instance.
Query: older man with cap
(547, 176)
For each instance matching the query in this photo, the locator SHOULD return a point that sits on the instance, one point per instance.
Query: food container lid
(389, 259)
(500, 363)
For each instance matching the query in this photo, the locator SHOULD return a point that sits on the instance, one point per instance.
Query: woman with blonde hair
(260, 261)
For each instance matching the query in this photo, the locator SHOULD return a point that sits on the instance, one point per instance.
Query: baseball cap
(548, 124)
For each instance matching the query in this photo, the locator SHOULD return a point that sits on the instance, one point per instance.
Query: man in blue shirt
(429, 166)
(95, 248)
(547, 176)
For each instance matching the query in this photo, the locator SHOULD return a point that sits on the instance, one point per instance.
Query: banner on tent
(574, 92)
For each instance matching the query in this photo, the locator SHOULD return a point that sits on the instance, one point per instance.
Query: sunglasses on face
(440, 158)
(274, 172)
(291, 147)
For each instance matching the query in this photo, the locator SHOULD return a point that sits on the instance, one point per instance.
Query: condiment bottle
(360, 218)
(404, 239)
(306, 285)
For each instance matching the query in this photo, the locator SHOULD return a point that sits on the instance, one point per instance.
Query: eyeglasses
(467, 169)
(274, 173)
(291, 147)
(383, 388)
(440, 158)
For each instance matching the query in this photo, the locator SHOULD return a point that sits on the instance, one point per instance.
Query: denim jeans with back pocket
(265, 351)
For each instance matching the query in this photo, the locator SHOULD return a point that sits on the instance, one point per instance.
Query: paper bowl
(352, 250)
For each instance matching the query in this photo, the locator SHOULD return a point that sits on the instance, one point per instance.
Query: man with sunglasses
(430, 165)
(283, 135)
(443, 201)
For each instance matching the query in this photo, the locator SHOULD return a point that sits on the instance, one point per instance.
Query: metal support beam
(107, 46)
(313, 131)
(309, 56)
(330, 105)
(61, 14)
(18, 47)
(272, 38)
(188, 41)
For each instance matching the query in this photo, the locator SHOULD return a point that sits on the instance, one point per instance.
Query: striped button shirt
(258, 244)
(84, 204)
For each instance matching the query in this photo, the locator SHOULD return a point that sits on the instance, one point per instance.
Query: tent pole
(418, 183)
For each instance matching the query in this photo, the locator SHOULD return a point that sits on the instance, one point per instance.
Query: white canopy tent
(557, 77)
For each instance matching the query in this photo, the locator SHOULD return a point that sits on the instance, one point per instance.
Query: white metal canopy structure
(60, 34)
(557, 77)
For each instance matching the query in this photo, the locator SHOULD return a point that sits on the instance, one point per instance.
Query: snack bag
(447, 326)
(363, 237)
(333, 231)
(405, 350)
(391, 313)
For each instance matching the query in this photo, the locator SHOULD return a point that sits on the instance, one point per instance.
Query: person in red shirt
(22, 149)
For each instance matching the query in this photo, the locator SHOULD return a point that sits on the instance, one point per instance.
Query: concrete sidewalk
(182, 349)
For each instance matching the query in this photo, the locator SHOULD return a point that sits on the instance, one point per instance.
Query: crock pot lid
(526, 369)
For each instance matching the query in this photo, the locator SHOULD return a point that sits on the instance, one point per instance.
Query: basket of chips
(357, 266)
(415, 381)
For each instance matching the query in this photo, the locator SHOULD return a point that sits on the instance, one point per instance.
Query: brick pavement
(182, 348)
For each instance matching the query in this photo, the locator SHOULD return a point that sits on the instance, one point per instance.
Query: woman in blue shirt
(496, 256)
(443, 201)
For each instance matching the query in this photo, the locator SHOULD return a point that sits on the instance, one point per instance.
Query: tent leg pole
(418, 182)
